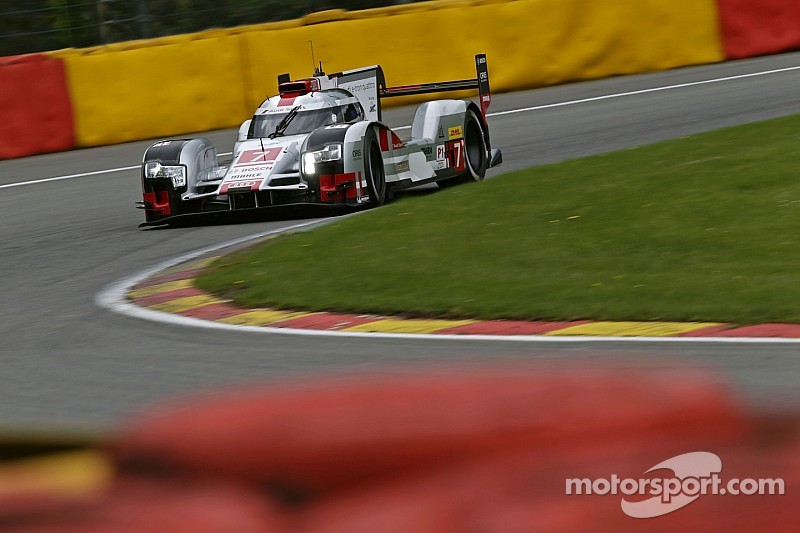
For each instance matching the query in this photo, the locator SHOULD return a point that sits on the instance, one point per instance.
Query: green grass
(700, 228)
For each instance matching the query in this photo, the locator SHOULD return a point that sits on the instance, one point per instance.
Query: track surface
(65, 363)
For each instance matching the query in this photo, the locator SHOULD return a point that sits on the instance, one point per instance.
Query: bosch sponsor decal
(250, 169)
(454, 133)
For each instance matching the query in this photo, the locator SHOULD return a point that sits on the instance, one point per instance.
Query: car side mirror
(243, 130)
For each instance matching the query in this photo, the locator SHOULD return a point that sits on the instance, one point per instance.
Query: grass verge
(699, 228)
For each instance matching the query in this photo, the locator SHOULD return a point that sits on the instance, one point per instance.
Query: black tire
(373, 167)
(475, 153)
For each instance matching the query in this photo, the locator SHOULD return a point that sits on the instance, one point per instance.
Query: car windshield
(304, 121)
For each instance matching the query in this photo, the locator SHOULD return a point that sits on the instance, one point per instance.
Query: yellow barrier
(122, 93)
(529, 43)
(215, 79)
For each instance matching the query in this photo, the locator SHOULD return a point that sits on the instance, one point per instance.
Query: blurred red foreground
(436, 450)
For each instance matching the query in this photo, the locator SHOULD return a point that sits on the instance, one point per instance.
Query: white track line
(497, 114)
(69, 177)
(114, 298)
(632, 93)
(81, 175)
(644, 91)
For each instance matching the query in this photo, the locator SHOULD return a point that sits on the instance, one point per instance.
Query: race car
(321, 141)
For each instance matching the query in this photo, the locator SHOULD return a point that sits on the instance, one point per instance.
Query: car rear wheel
(475, 152)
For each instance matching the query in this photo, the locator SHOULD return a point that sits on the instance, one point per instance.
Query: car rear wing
(480, 82)
(369, 86)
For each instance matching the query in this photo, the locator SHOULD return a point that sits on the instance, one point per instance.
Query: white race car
(321, 141)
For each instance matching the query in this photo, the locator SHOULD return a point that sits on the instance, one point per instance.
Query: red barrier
(35, 109)
(528, 493)
(143, 506)
(339, 433)
(505, 444)
(751, 28)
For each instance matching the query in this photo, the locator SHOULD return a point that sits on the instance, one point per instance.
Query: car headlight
(331, 152)
(177, 173)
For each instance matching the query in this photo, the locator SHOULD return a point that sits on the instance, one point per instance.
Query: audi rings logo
(695, 474)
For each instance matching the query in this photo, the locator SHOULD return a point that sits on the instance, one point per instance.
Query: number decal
(255, 157)
(457, 155)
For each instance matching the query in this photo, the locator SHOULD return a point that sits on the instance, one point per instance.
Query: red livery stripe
(158, 201)
(384, 140)
(331, 190)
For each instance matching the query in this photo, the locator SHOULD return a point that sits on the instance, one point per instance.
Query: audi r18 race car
(321, 141)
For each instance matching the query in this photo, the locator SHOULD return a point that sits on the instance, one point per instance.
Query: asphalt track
(66, 363)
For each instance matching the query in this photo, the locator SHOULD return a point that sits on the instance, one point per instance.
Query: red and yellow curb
(82, 472)
(172, 291)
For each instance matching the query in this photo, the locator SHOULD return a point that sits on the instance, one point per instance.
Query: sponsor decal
(359, 87)
(454, 133)
(283, 109)
(401, 167)
(357, 153)
(242, 184)
(397, 142)
(440, 135)
(428, 151)
(251, 166)
(248, 174)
